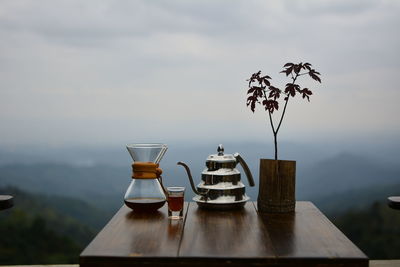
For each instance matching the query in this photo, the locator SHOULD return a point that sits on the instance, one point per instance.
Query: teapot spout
(191, 179)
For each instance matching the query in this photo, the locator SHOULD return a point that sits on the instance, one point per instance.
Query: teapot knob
(220, 150)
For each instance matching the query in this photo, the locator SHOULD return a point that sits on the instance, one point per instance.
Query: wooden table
(212, 238)
(6, 202)
(394, 202)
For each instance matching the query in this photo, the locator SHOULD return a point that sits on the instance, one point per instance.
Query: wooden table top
(6, 202)
(235, 238)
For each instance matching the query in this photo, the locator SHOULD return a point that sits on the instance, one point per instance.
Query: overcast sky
(111, 72)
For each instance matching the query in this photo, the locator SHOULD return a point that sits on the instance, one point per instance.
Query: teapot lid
(221, 157)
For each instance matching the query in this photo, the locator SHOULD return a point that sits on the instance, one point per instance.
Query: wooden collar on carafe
(145, 170)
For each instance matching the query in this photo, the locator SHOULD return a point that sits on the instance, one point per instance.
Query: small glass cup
(175, 202)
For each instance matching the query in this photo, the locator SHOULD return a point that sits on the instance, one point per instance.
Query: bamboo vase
(277, 186)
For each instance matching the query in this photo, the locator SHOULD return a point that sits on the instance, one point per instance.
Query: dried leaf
(306, 93)
(291, 89)
(297, 68)
(268, 98)
(313, 74)
(251, 90)
(274, 92)
(271, 105)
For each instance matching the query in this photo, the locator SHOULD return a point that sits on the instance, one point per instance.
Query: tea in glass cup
(175, 202)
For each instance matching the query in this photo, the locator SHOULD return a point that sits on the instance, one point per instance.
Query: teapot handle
(245, 168)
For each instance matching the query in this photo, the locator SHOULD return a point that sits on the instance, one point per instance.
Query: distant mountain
(72, 209)
(365, 218)
(356, 199)
(46, 229)
(103, 186)
(374, 229)
(345, 172)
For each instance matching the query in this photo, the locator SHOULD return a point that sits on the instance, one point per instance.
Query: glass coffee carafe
(146, 193)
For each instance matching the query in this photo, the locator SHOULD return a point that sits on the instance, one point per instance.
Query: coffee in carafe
(145, 193)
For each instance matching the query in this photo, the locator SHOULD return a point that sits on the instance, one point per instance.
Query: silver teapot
(221, 187)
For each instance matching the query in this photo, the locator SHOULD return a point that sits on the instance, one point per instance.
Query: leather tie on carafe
(146, 170)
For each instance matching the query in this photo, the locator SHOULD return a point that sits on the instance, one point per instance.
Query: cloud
(338, 8)
(77, 64)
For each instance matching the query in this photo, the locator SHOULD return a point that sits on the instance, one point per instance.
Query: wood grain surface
(230, 238)
(133, 236)
(225, 234)
(307, 234)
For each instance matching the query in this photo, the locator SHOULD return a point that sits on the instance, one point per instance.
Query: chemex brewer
(146, 192)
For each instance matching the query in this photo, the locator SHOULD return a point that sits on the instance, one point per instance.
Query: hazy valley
(69, 197)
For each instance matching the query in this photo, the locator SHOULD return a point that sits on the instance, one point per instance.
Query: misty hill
(104, 185)
(95, 184)
(355, 199)
(72, 209)
(49, 232)
(345, 172)
(374, 229)
(42, 229)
